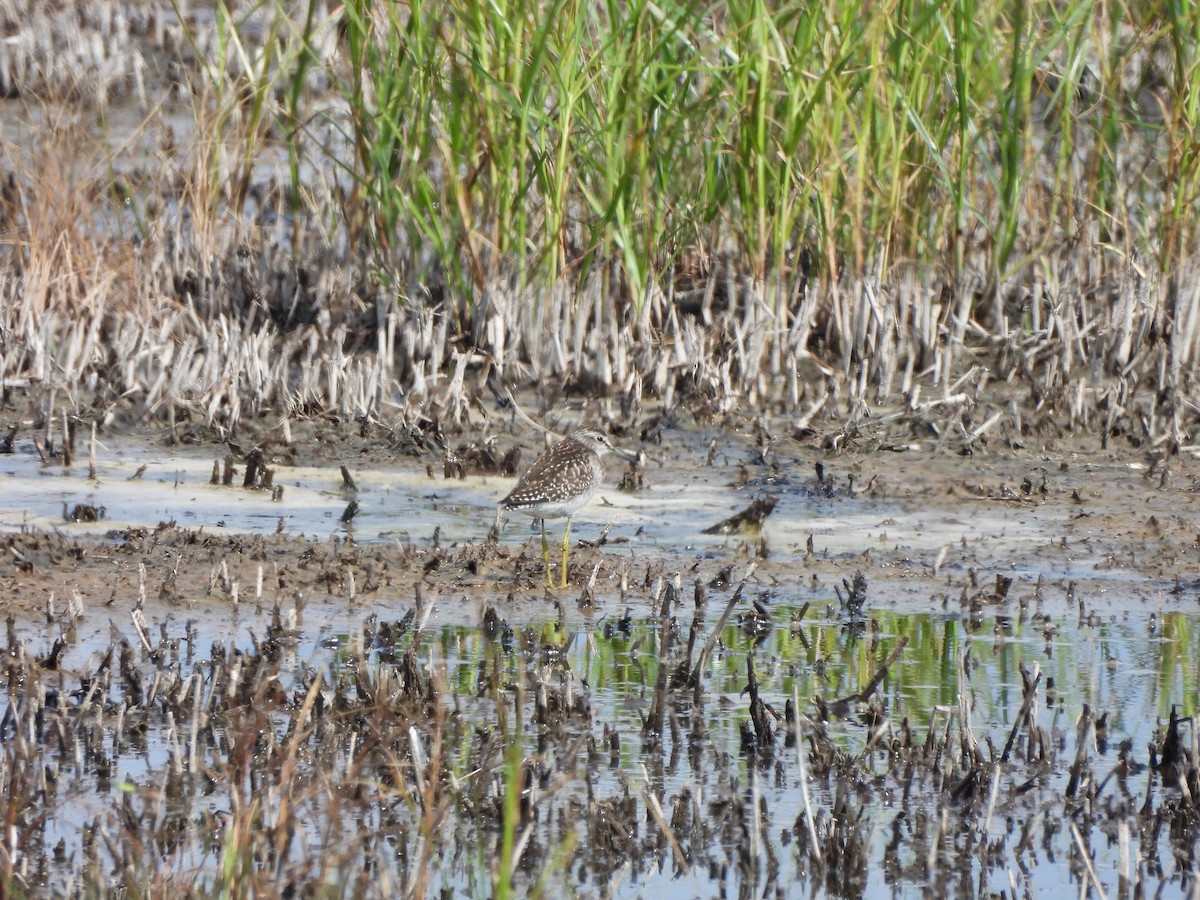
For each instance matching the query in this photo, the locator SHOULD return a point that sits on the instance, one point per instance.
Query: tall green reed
(525, 142)
(1183, 133)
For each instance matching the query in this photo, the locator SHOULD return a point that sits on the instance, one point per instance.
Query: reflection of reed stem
(804, 792)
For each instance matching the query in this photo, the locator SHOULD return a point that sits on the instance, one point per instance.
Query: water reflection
(1129, 669)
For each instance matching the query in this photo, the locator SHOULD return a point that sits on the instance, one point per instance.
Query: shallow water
(1130, 668)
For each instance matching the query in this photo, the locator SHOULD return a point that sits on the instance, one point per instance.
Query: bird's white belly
(557, 509)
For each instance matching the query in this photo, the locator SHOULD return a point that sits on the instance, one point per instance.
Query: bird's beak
(629, 455)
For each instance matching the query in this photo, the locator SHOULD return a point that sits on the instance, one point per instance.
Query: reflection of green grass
(1178, 652)
(483, 745)
(1116, 667)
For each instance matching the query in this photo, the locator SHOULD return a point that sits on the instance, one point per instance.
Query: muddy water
(1100, 548)
(1076, 514)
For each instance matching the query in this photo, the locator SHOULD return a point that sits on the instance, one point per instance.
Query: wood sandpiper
(561, 480)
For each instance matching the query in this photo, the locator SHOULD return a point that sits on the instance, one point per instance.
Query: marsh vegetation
(898, 301)
(394, 212)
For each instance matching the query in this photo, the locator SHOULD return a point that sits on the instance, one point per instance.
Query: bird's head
(599, 443)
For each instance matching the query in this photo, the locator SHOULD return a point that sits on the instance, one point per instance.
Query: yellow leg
(546, 555)
(566, 548)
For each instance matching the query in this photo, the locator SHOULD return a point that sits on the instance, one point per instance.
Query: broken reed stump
(1176, 764)
(83, 512)
(68, 446)
(856, 595)
(759, 735)
(682, 675)
(256, 461)
(696, 682)
(749, 519)
(652, 727)
(1030, 697)
(843, 706)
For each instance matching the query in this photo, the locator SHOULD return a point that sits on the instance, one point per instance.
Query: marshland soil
(1113, 527)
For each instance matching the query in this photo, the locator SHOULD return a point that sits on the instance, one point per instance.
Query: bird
(560, 481)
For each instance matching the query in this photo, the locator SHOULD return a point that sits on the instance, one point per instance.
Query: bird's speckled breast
(560, 481)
